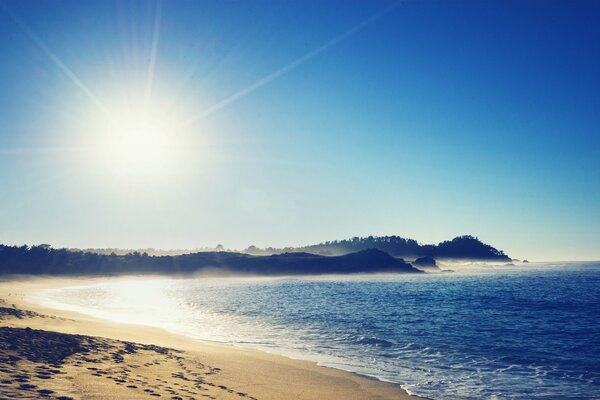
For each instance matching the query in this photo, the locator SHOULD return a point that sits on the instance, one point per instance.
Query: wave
(373, 341)
(458, 336)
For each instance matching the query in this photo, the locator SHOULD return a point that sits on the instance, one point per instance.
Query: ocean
(483, 332)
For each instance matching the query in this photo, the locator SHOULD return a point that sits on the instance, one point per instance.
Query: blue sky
(422, 119)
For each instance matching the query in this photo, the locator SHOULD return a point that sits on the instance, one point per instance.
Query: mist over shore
(366, 255)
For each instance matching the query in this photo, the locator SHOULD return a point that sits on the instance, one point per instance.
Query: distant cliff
(46, 260)
(461, 247)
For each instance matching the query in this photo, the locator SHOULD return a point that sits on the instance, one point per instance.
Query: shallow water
(483, 333)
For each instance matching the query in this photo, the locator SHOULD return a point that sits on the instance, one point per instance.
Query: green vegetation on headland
(381, 257)
(462, 247)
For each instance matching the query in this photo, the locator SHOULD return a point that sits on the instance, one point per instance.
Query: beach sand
(48, 353)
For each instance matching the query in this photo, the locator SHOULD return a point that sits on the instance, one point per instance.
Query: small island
(425, 263)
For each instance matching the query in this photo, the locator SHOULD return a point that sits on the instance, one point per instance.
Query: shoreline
(259, 373)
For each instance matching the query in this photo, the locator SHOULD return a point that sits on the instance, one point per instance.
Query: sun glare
(141, 143)
(138, 141)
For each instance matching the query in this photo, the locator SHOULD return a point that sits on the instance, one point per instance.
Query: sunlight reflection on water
(508, 333)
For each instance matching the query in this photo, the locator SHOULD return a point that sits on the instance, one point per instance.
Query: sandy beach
(65, 355)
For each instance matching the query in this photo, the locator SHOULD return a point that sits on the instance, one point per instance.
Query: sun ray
(152, 63)
(16, 151)
(289, 67)
(59, 63)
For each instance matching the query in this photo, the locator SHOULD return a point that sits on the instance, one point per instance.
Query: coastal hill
(357, 255)
(45, 260)
(462, 247)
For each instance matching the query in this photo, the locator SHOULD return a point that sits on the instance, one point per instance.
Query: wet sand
(47, 353)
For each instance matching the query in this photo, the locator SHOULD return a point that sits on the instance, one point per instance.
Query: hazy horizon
(178, 125)
(201, 248)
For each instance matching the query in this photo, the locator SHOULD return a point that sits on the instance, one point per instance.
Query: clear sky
(190, 123)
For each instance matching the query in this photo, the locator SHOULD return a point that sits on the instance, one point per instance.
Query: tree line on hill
(44, 260)
(357, 255)
(461, 247)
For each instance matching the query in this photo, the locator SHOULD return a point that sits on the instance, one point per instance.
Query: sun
(141, 142)
(138, 140)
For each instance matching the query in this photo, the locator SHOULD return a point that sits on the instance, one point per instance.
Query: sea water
(526, 332)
